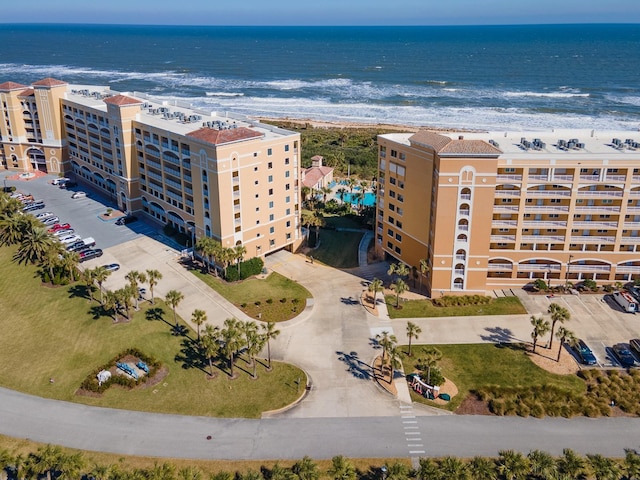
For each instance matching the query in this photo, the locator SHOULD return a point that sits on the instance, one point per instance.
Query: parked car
(624, 355)
(59, 226)
(68, 184)
(30, 207)
(58, 181)
(634, 343)
(79, 195)
(75, 246)
(126, 220)
(63, 232)
(43, 215)
(112, 267)
(69, 239)
(81, 249)
(89, 254)
(585, 354)
(50, 220)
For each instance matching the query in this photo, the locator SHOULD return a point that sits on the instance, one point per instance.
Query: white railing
(543, 238)
(592, 225)
(543, 178)
(461, 258)
(596, 208)
(503, 238)
(506, 178)
(563, 178)
(589, 178)
(463, 228)
(506, 208)
(624, 240)
(615, 178)
(503, 223)
(635, 178)
(628, 269)
(507, 193)
(545, 208)
(633, 209)
(599, 193)
(592, 239)
(465, 196)
(459, 271)
(578, 267)
(634, 193)
(538, 267)
(548, 193)
(499, 266)
(544, 224)
(632, 225)
(464, 212)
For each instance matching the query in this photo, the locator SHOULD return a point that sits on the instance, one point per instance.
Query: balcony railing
(545, 208)
(596, 224)
(538, 267)
(624, 240)
(598, 209)
(503, 223)
(459, 271)
(461, 258)
(580, 267)
(628, 269)
(589, 178)
(593, 239)
(544, 224)
(615, 178)
(503, 208)
(543, 238)
(507, 193)
(599, 193)
(507, 178)
(548, 193)
(499, 267)
(503, 238)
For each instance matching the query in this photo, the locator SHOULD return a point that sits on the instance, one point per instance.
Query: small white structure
(103, 376)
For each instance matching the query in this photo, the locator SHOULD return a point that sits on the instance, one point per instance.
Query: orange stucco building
(205, 173)
(501, 209)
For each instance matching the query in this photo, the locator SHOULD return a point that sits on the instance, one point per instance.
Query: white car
(79, 195)
(43, 215)
(50, 221)
(62, 233)
(58, 181)
(69, 239)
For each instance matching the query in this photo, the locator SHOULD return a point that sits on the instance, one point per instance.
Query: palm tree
(198, 317)
(211, 344)
(400, 269)
(396, 471)
(399, 287)
(571, 464)
(164, 471)
(71, 466)
(413, 331)
(239, 252)
(153, 276)
(100, 472)
(512, 465)
(6, 460)
(190, 473)
(565, 335)
(173, 299)
(46, 460)
(631, 464)
(386, 341)
(11, 229)
(135, 279)
(424, 269)
(111, 304)
(540, 327)
(342, 469)
(306, 469)
(341, 193)
(429, 359)
(427, 469)
(33, 246)
(69, 263)
(226, 256)
(603, 468)
(482, 468)
(100, 275)
(88, 278)
(325, 191)
(394, 358)
(51, 259)
(10, 206)
(255, 343)
(124, 296)
(558, 314)
(231, 337)
(542, 464)
(351, 183)
(359, 197)
(305, 191)
(452, 467)
(375, 286)
(270, 333)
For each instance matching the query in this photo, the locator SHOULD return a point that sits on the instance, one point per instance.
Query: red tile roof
(312, 175)
(122, 100)
(445, 145)
(48, 82)
(220, 137)
(26, 93)
(7, 86)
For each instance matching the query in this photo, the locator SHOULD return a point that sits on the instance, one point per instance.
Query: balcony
(600, 193)
(544, 224)
(615, 178)
(503, 238)
(628, 269)
(633, 209)
(596, 224)
(545, 209)
(503, 223)
(579, 267)
(500, 267)
(506, 178)
(507, 193)
(590, 178)
(465, 196)
(503, 209)
(599, 209)
(632, 225)
(543, 238)
(593, 239)
(463, 212)
(538, 267)
(548, 193)
(461, 258)
(463, 228)
(459, 271)
(625, 240)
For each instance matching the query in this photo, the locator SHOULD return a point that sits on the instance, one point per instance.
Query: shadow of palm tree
(97, 312)
(78, 291)
(155, 314)
(498, 335)
(355, 366)
(192, 357)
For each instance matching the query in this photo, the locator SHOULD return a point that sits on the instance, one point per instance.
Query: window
(554, 215)
(607, 201)
(392, 194)
(271, 217)
(399, 224)
(287, 174)
(401, 198)
(270, 165)
(398, 249)
(272, 229)
(287, 199)
(390, 232)
(400, 184)
(288, 211)
(255, 182)
(272, 243)
(288, 236)
(270, 179)
(390, 220)
(392, 207)
(398, 237)
(287, 187)
(506, 200)
(400, 211)
(288, 224)
(556, 200)
(394, 153)
(286, 161)
(271, 204)
(271, 191)
(392, 180)
(389, 245)
(269, 151)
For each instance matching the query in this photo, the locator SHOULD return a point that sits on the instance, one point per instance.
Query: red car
(59, 226)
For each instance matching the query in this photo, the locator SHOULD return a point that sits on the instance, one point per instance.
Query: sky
(323, 12)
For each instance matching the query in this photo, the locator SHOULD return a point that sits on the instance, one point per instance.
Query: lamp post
(566, 275)
(549, 276)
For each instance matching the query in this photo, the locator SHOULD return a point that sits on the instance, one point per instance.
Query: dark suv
(585, 354)
(126, 220)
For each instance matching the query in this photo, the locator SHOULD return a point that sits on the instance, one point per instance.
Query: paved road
(135, 433)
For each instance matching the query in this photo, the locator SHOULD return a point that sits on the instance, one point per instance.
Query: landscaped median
(53, 338)
(457, 308)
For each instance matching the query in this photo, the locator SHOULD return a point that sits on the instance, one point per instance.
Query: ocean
(489, 77)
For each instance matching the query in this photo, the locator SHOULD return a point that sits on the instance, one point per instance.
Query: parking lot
(595, 318)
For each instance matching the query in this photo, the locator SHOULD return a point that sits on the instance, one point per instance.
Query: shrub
(269, 301)
(168, 230)
(243, 305)
(283, 300)
(257, 303)
(537, 410)
(248, 268)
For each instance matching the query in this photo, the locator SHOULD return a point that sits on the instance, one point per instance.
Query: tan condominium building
(207, 174)
(501, 209)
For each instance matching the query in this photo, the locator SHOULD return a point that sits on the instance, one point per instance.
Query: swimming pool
(369, 199)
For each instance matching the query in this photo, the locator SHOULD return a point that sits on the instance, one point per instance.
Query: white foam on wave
(224, 94)
(545, 94)
(629, 100)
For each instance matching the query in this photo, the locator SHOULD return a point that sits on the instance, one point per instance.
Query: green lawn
(474, 366)
(275, 287)
(56, 333)
(338, 249)
(424, 308)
